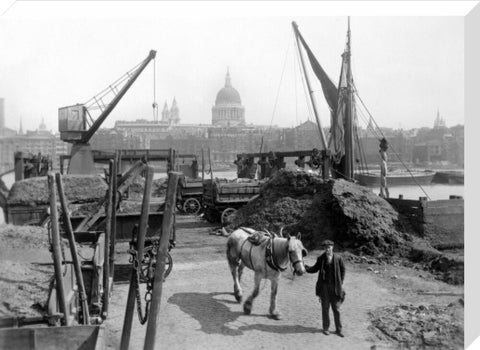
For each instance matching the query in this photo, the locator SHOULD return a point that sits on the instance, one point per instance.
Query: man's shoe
(340, 334)
(326, 332)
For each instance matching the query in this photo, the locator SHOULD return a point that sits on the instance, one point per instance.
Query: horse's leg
(240, 270)
(273, 299)
(247, 306)
(237, 289)
(235, 264)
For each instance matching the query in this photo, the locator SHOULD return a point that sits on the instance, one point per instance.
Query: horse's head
(296, 253)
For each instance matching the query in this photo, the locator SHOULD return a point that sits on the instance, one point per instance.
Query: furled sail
(342, 109)
(336, 100)
(328, 87)
(336, 142)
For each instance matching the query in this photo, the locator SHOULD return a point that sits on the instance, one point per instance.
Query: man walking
(329, 287)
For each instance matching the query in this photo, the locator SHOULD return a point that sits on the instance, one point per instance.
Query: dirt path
(198, 310)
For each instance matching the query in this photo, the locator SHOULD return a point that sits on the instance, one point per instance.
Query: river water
(433, 191)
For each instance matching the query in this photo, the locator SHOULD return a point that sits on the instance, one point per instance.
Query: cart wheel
(168, 265)
(191, 206)
(225, 215)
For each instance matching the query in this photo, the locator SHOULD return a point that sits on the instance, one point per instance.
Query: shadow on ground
(213, 315)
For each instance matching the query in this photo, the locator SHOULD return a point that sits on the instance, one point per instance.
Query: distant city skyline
(405, 68)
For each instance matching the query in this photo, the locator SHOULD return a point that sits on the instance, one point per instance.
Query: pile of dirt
(137, 188)
(78, 189)
(24, 289)
(422, 326)
(352, 216)
(12, 236)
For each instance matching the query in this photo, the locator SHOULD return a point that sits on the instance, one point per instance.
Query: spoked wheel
(226, 214)
(168, 265)
(191, 206)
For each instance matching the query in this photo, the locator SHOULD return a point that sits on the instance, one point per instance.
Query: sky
(408, 63)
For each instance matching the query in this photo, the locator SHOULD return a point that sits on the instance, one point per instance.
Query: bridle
(271, 257)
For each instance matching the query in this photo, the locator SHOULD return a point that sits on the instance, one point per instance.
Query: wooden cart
(222, 198)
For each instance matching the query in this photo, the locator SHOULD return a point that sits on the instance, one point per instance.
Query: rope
(390, 146)
(155, 104)
(276, 98)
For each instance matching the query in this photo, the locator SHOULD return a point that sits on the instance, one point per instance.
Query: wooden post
(114, 216)
(203, 166)
(73, 250)
(127, 323)
(325, 164)
(108, 235)
(210, 164)
(57, 255)
(167, 226)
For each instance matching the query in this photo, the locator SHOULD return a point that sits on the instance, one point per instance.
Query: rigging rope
(276, 98)
(155, 104)
(393, 150)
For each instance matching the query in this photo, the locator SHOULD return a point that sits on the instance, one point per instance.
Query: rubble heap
(12, 236)
(23, 286)
(78, 189)
(137, 188)
(352, 216)
(422, 326)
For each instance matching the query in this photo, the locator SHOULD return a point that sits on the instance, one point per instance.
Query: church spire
(228, 81)
(165, 113)
(21, 127)
(174, 112)
(42, 125)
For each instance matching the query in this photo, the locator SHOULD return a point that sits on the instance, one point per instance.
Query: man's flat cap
(327, 242)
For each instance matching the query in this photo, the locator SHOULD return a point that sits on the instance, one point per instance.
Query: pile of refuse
(351, 215)
(354, 217)
(23, 285)
(78, 189)
(137, 188)
(420, 326)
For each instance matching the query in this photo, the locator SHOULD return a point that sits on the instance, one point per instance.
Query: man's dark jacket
(338, 273)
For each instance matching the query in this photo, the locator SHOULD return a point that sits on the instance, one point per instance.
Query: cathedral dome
(228, 95)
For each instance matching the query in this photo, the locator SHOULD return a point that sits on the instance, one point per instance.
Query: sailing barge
(396, 178)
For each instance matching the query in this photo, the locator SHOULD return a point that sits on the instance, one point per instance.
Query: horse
(267, 258)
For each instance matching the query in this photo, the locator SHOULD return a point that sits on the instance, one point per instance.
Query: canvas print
(200, 178)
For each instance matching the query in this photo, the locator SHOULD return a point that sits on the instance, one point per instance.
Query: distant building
(171, 116)
(228, 109)
(439, 122)
(37, 141)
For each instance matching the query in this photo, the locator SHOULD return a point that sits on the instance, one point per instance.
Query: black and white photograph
(238, 175)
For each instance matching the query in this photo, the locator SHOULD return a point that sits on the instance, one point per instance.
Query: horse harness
(270, 256)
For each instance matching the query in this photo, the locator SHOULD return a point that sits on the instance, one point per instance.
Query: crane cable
(276, 98)
(155, 104)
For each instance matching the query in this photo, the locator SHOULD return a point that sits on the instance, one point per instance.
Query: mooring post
(167, 226)
(113, 235)
(108, 235)
(57, 255)
(127, 323)
(73, 250)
